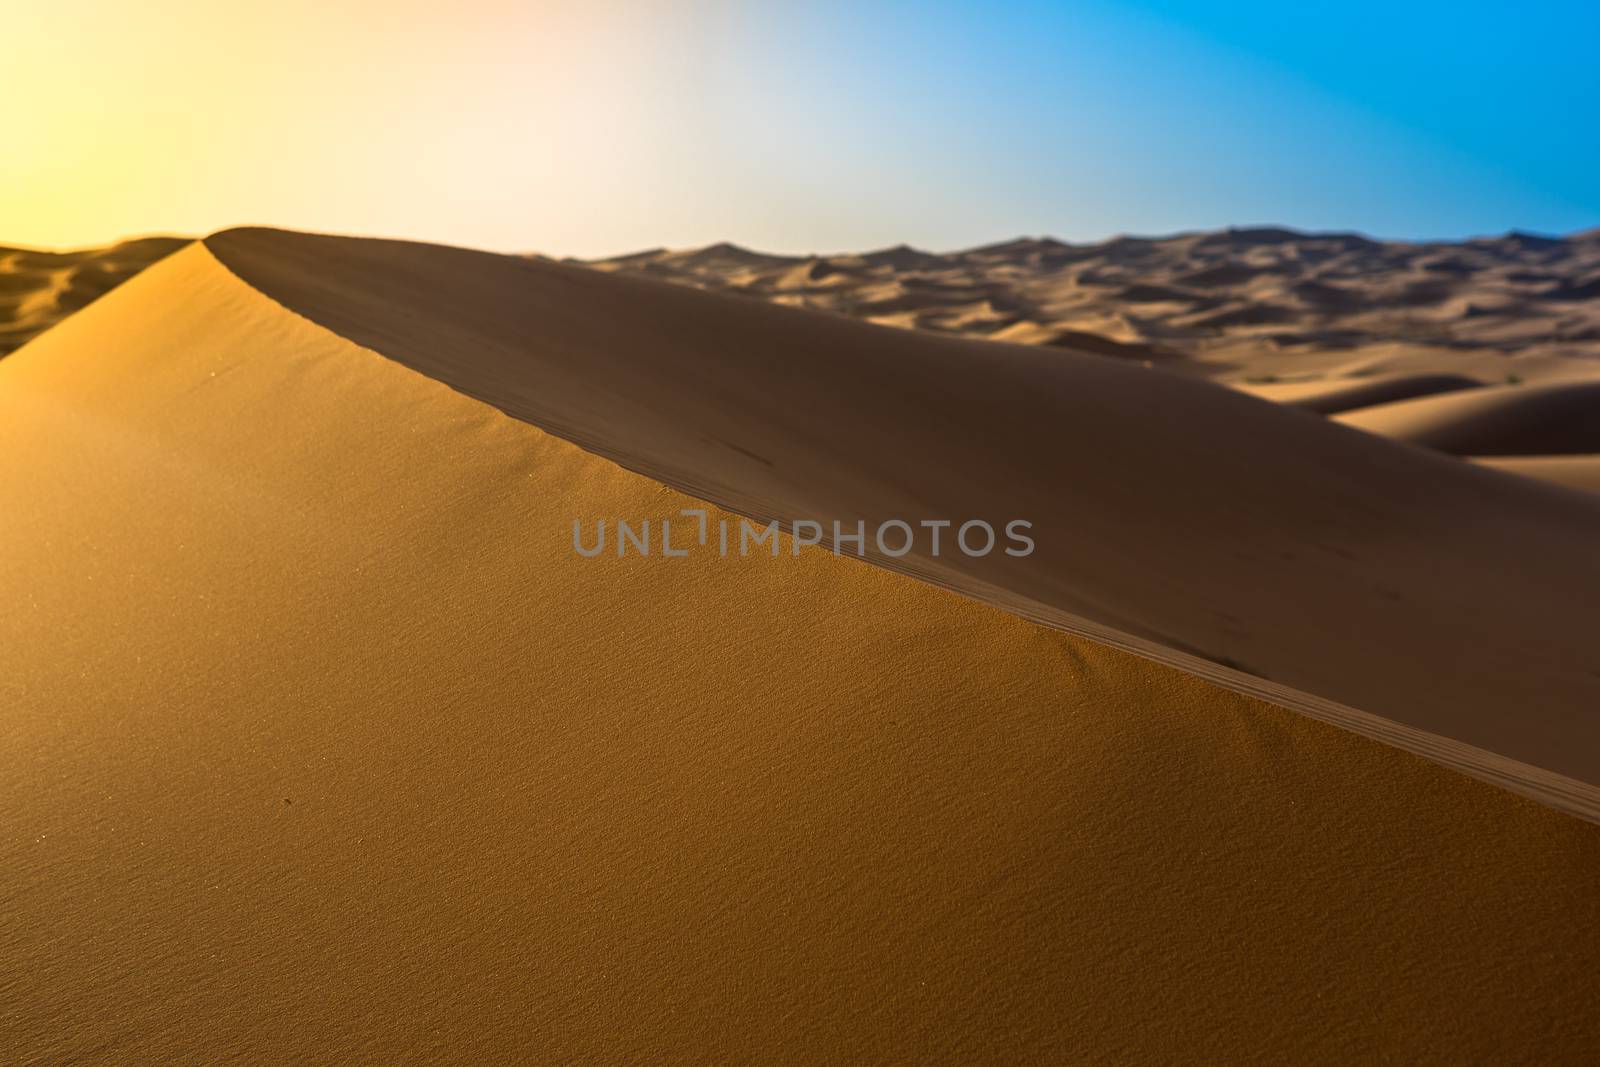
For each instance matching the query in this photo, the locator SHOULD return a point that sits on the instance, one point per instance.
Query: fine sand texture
(1441, 606)
(321, 744)
(38, 288)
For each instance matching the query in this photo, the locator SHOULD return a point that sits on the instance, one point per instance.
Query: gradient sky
(589, 127)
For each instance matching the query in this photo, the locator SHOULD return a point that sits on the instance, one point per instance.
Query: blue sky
(590, 127)
(1409, 120)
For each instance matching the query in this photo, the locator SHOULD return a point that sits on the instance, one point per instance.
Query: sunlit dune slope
(320, 743)
(1504, 421)
(1326, 569)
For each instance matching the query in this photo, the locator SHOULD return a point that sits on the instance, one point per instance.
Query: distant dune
(1578, 472)
(321, 743)
(1504, 421)
(1325, 322)
(38, 289)
(1329, 397)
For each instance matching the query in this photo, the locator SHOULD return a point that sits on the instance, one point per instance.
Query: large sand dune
(1326, 569)
(320, 743)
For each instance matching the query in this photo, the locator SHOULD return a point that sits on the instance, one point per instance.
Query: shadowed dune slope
(1326, 569)
(1505, 421)
(320, 743)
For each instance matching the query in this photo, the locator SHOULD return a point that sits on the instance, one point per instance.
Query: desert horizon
(431, 640)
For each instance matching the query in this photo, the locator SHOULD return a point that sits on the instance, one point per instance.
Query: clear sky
(590, 127)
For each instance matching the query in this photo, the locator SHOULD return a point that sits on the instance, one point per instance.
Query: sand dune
(321, 743)
(1328, 397)
(1577, 472)
(38, 289)
(1504, 421)
(1267, 548)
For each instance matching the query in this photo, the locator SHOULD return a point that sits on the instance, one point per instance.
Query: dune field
(323, 743)
(1239, 303)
